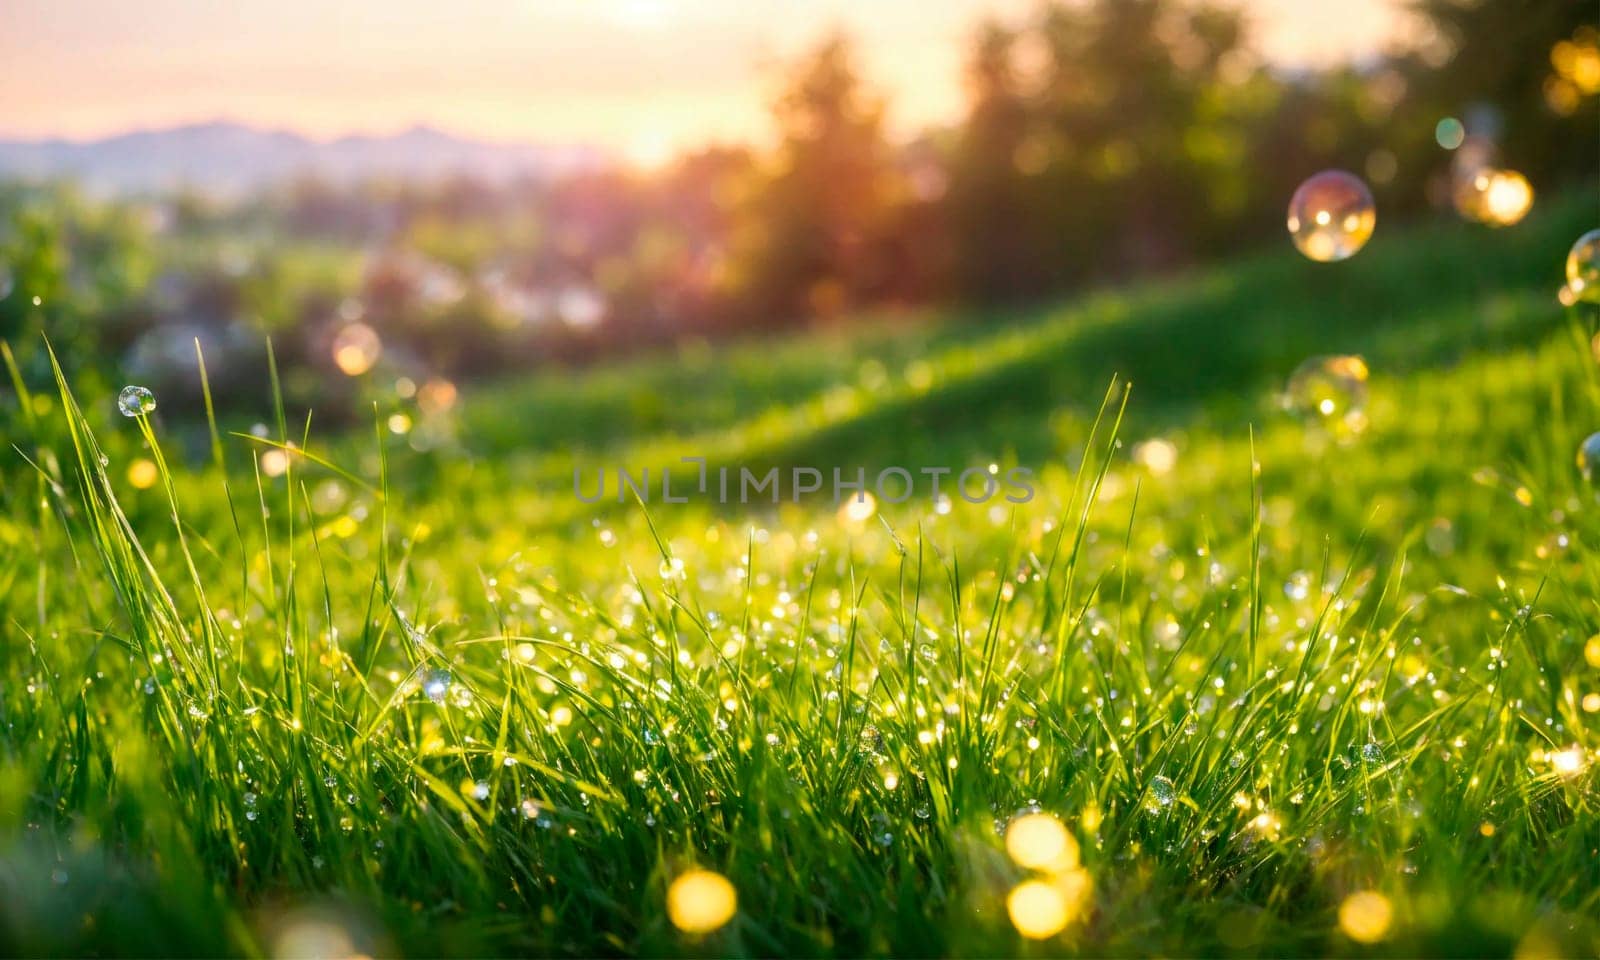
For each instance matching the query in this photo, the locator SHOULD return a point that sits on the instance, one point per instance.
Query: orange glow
(625, 75)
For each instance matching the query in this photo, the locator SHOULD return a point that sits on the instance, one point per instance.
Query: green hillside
(416, 691)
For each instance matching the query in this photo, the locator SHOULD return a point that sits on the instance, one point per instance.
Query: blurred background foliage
(1104, 140)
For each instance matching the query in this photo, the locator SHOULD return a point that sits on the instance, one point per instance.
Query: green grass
(1352, 662)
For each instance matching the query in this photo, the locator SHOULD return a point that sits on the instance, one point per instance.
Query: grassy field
(1288, 693)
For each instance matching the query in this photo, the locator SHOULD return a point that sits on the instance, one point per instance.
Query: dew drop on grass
(134, 401)
(1332, 216)
(1589, 458)
(1163, 792)
(1583, 267)
(1372, 753)
(436, 685)
(1298, 586)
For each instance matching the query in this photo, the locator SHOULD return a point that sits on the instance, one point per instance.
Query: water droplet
(436, 685)
(1298, 586)
(1162, 791)
(1332, 216)
(135, 400)
(1371, 753)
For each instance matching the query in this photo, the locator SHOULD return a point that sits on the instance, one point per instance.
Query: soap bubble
(1330, 392)
(1332, 216)
(1589, 458)
(1583, 267)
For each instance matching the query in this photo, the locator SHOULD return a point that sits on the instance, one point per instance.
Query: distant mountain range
(232, 157)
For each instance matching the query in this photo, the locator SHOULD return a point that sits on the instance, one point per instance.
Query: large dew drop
(1583, 268)
(1332, 216)
(1162, 792)
(134, 401)
(436, 685)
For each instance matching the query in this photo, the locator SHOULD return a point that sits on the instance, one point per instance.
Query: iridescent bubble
(1583, 267)
(356, 348)
(135, 401)
(1332, 216)
(1331, 392)
(1589, 458)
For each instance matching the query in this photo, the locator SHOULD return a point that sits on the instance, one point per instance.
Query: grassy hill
(416, 694)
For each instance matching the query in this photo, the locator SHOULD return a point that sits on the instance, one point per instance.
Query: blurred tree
(814, 242)
(998, 235)
(1496, 62)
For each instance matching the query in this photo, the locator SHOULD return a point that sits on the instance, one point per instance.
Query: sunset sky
(636, 76)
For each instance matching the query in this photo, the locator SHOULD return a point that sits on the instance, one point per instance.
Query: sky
(641, 77)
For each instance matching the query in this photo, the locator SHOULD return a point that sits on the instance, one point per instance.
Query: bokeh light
(1449, 133)
(1365, 917)
(142, 474)
(1332, 216)
(1038, 841)
(436, 396)
(701, 901)
(274, 462)
(1039, 909)
(1507, 199)
(1589, 458)
(857, 509)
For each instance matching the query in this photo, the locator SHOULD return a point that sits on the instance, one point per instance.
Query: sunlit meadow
(1284, 656)
(1270, 330)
